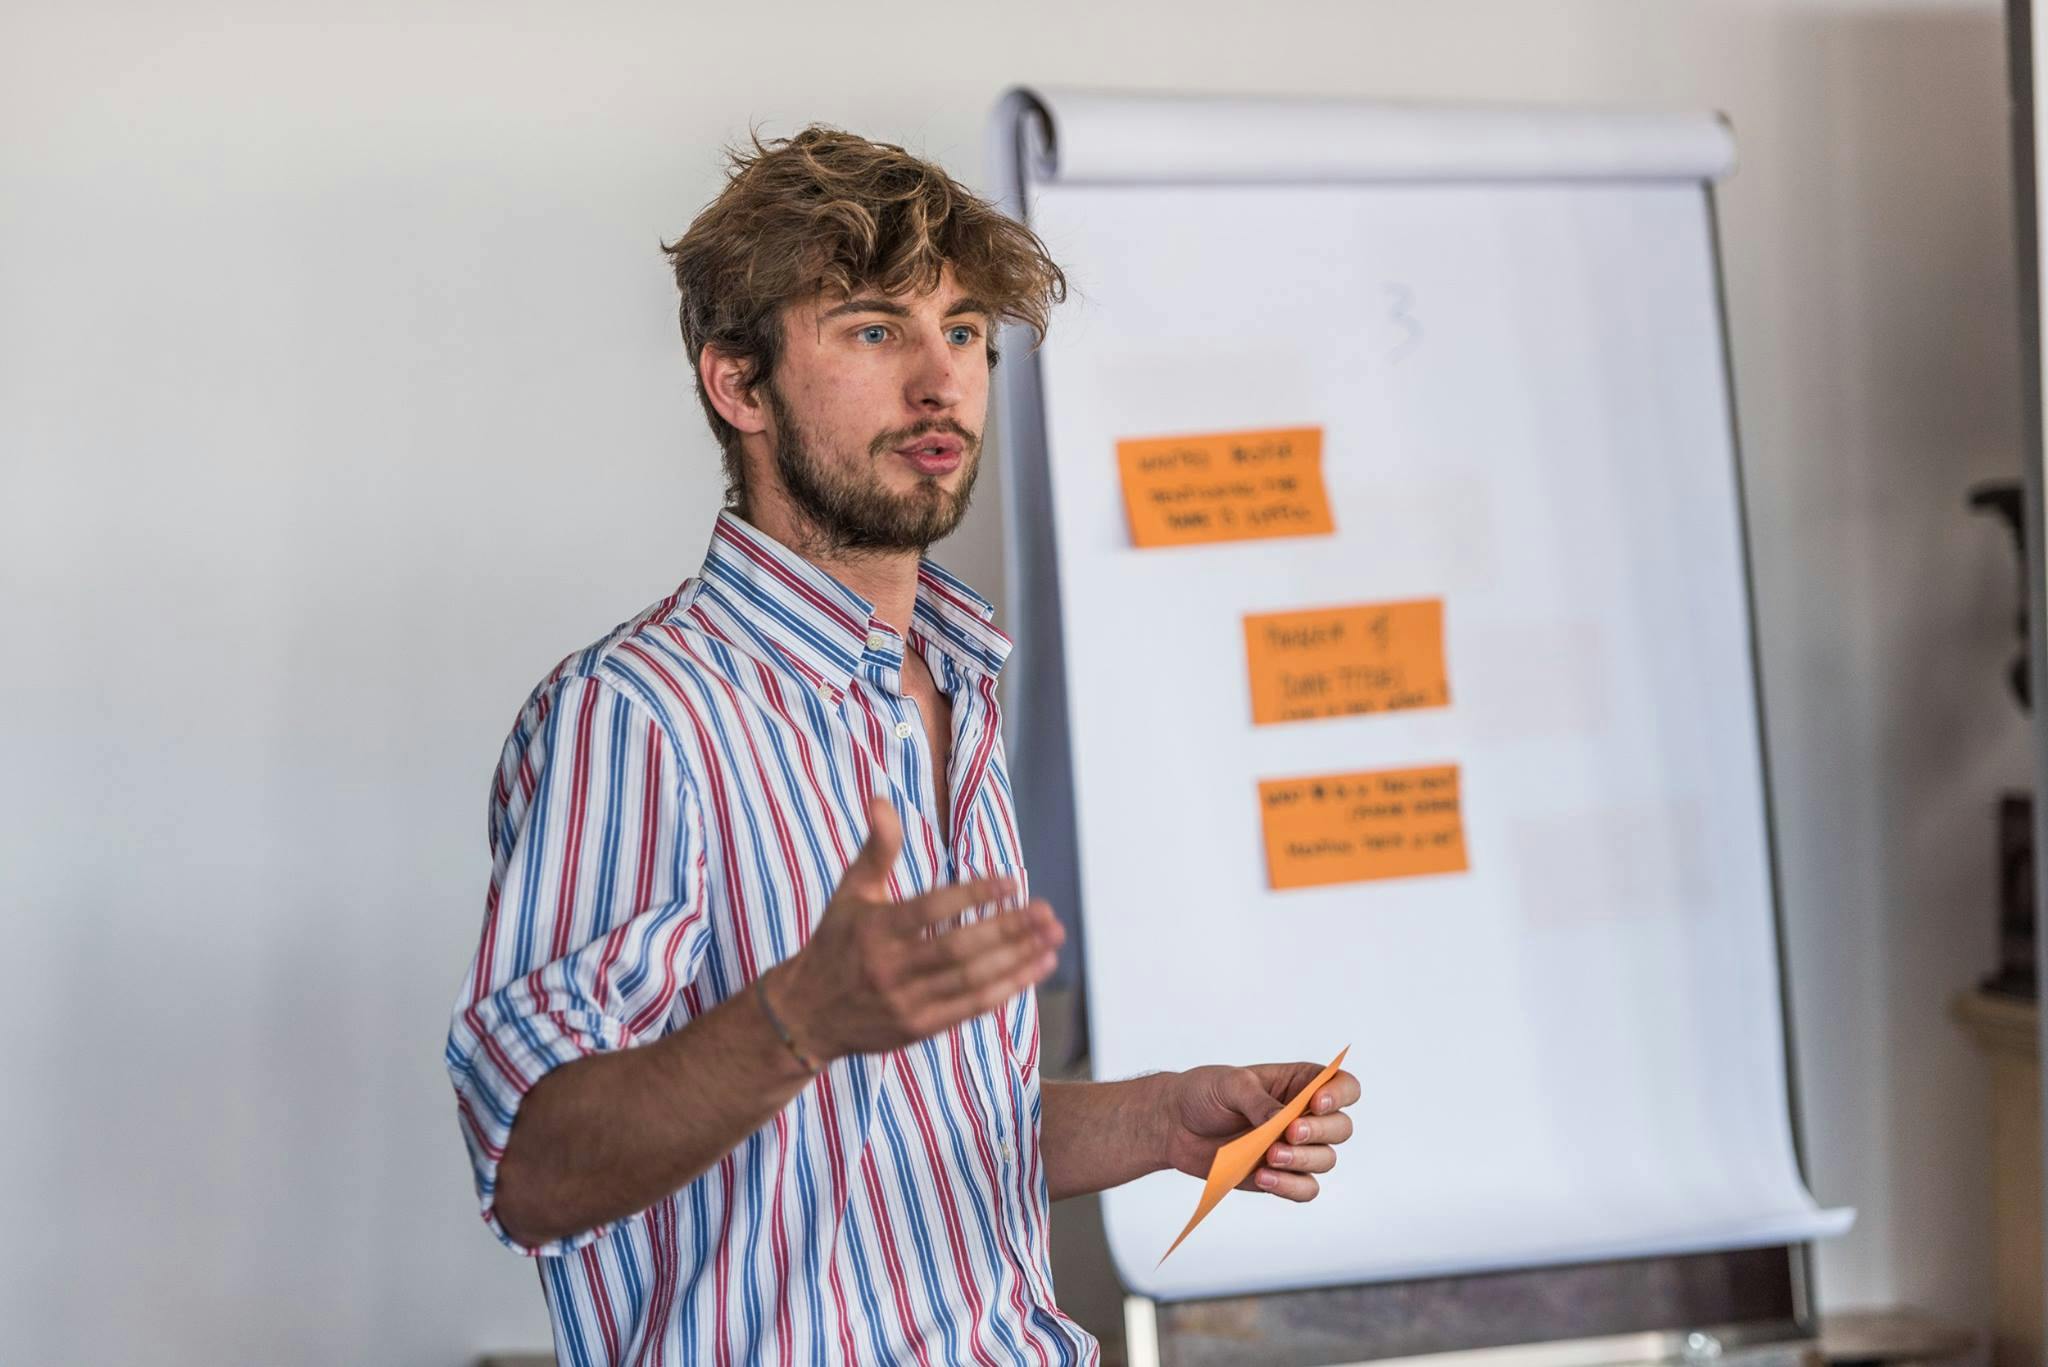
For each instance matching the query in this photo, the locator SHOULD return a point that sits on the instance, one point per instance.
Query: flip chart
(1506, 326)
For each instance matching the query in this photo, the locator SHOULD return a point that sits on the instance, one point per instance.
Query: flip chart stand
(1748, 1306)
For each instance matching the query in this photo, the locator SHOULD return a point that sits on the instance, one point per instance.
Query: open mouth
(933, 455)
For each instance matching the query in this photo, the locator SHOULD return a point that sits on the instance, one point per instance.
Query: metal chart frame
(2029, 126)
(1541, 1317)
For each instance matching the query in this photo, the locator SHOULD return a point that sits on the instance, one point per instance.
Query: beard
(849, 509)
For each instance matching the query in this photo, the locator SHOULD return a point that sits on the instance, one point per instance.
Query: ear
(724, 379)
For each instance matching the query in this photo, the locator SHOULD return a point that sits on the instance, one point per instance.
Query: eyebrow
(873, 304)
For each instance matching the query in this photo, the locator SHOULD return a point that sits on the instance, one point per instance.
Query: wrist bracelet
(781, 1030)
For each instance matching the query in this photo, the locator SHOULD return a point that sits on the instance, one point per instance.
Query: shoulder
(645, 665)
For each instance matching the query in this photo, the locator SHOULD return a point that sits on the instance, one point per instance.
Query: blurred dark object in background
(2015, 976)
(2002, 496)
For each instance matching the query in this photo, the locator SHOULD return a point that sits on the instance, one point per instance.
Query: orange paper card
(1234, 1161)
(1231, 486)
(1351, 828)
(1339, 662)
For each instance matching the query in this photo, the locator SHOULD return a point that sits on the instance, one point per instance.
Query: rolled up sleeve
(593, 921)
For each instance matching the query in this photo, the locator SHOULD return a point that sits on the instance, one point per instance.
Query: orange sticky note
(1234, 1161)
(1351, 828)
(1343, 661)
(1229, 486)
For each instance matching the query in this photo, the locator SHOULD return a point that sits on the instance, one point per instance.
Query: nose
(933, 384)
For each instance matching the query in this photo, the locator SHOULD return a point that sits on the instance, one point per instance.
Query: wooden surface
(2008, 1030)
(1891, 1336)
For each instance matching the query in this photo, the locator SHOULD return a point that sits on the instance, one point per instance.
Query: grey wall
(339, 395)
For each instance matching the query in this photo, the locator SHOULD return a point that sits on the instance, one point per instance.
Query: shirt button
(903, 730)
(1009, 1154)
(824, 688)
(877, 641)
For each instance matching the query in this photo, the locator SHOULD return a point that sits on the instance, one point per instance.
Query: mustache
(890, 440)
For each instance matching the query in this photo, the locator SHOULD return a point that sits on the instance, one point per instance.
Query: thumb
(1245, 1094)
(868, 874)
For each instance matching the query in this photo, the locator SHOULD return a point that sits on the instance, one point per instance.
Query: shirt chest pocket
(1011, 1027)
(996, 1079)
(1001, 1044)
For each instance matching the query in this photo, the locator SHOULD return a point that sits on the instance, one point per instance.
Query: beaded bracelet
(803, 1060)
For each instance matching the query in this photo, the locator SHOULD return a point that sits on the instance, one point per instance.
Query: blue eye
(874, 332)
(962, 335)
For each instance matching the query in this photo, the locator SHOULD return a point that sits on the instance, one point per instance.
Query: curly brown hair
(829, 211)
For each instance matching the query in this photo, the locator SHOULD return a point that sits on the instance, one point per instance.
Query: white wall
(340, 394)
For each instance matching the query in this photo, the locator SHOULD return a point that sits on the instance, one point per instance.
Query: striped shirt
(672, 810)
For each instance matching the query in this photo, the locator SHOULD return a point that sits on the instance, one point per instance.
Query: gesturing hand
(878, 974)
(1207, 1107)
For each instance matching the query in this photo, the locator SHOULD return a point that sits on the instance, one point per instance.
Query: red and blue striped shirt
(671, 812)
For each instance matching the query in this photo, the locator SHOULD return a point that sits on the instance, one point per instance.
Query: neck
(888, 579)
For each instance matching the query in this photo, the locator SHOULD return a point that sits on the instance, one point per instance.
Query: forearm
(609, 1135)
(1097, 1135)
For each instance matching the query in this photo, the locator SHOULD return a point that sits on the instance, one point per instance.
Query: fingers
(868, 874)
(957, 957)
(1283, 1080)
(1301, 1157)
(1323, 1121)
(1308, 1144)
(1334, 1095)
(1292, 1186)
(984, 981)
(976, 969)
(943, 904)
(1325, 1129)
(994, 979)
(937, 982)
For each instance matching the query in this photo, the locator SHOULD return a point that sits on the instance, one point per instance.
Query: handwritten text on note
(1351, 828)
(1230, 486)
(1344, 661)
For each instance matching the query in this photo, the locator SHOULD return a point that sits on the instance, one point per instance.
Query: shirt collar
(825, 628)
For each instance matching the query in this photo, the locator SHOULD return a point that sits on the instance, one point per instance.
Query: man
(748, 1055)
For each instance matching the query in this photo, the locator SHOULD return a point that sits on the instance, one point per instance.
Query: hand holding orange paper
(1234, 1161)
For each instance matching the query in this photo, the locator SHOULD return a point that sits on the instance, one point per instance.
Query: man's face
(877, 405)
